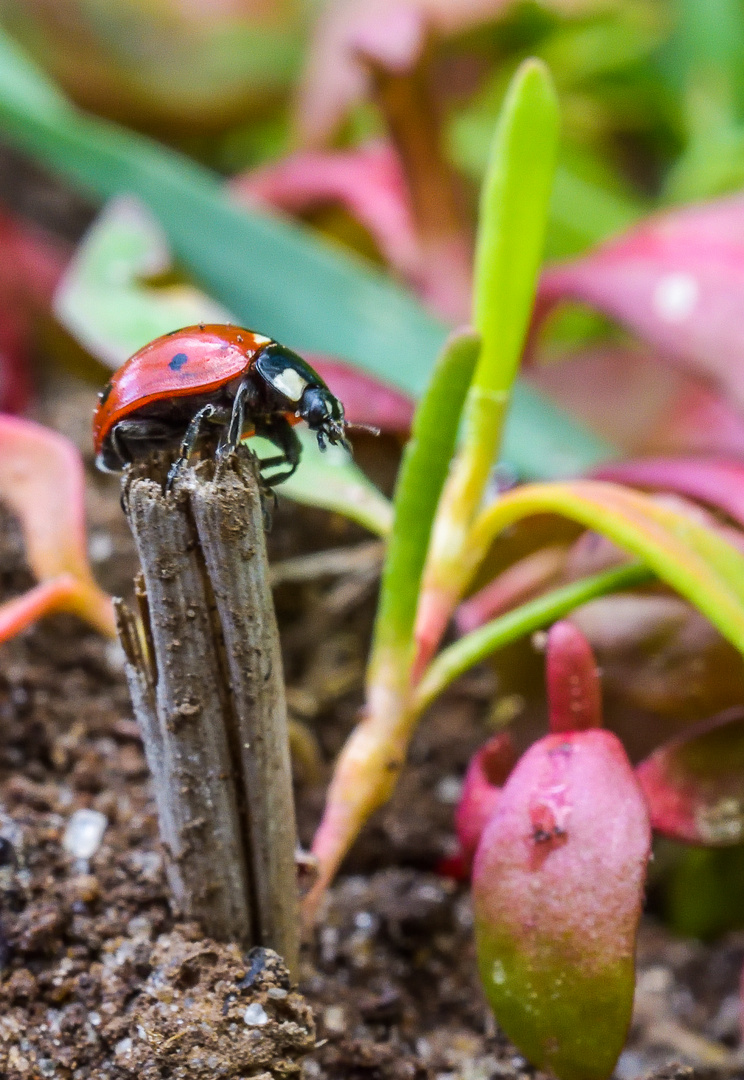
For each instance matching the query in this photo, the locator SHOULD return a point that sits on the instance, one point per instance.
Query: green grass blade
(426, 460)
(456, 659)
(515, 199)
(270, 273)
(511, 233)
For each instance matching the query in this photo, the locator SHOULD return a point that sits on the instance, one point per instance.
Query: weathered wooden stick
(205, 675)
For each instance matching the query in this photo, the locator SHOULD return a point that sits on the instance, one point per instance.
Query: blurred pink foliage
(676, 281)
(371, 184)
(30, 266)
(642, 405)
(368, 182)
(715, 482)
(42, 483)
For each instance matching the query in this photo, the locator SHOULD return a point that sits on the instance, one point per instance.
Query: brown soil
(100, 979)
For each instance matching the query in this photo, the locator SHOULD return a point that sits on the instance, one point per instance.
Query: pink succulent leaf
(694, 784)
(718, 483)
(699, 420)
(367, 400)
(574, 692)
(368, 182)
(485, 776)
(642, 405)
(41, 482)
(64, 593)
(515, 585)
(558, 886)
(676, 281)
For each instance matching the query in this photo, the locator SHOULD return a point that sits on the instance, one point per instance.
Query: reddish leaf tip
(574, 694)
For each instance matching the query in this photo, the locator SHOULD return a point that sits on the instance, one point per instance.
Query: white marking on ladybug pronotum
(259, 339)
(290, 383)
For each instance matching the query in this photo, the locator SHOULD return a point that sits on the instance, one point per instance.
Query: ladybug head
(324, 414)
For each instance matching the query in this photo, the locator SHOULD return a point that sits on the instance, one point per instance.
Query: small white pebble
(655, 980)
(115, 656)
(449, 790)
(84, 833)
(277, 993)
(100, 547)
(123, 1047)
(139, 927)
(334, 1019)
(255, 1015)
(365, 920)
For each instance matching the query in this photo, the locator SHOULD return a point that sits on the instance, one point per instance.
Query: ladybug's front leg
(243, 404)
(279, 431)
(214, 414)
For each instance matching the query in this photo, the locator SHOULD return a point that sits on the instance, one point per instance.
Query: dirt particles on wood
(101, 979)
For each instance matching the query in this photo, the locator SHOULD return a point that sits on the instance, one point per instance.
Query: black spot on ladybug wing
(178, 361)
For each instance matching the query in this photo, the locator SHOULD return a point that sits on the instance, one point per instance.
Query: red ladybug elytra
(174, 389)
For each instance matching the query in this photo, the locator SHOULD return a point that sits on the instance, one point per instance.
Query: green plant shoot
(513, 215)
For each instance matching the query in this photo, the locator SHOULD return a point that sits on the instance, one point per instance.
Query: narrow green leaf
(511, 233)
(471, 649)
(273, 275)
(515, 198)
(423, 470)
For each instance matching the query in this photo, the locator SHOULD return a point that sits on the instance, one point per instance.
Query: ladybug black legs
(243, 400)
(214, 414)
(284, 437)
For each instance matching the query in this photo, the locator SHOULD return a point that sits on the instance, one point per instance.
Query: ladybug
(212, 377)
